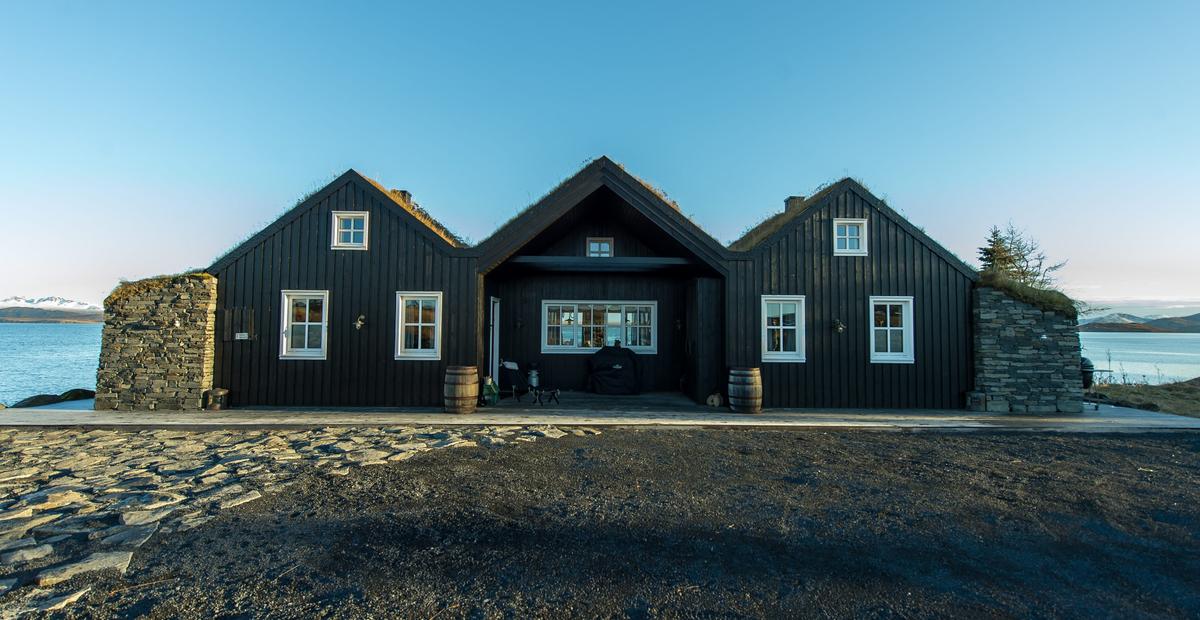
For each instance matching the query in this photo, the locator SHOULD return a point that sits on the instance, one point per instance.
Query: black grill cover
(613, 370)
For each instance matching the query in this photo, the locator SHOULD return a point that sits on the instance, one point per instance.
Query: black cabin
(357, 297)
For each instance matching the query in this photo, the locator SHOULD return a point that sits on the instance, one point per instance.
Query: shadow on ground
(730, 523)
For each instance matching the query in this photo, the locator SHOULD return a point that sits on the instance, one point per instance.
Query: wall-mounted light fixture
(839, 326)
(360, 321)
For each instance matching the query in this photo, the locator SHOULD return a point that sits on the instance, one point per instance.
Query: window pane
(554, 336)
(841, 230)
(614, 316)
(553, 315)
(597, 337)
(841, 243)
(358, 238)
(880, 315)
(612, 335)
(427, 338)
(774, 340)
(569, 316)
(316, 310)
(570, 336)
(789, 340)
(644, 315)
(296, 337)
(789, 314)
(299, 310)
(412, 309)
(343, 223)
(411, 337)
(344, 237)
(854, 243)
(359, 223)
(314, 336)
(897, 315)
(644, 336)
(585, 315)
(428, 311)
(773, 315)
(897, 340)
(852, 230)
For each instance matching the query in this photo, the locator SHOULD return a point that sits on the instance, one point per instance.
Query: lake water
(1150, 358)
(45, 358)
(40, 358)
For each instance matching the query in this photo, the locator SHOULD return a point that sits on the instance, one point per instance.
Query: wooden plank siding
(360, 368)
(799, 260)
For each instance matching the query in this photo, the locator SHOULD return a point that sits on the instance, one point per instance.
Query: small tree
(1014, 254)
(995, 255)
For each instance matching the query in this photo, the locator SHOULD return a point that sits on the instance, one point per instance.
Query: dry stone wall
(158, 344)
(1026, 358)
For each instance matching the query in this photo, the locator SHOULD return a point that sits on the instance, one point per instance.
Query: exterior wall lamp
(360, 321)
(838, 326)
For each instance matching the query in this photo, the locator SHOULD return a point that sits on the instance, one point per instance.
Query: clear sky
(140, 139)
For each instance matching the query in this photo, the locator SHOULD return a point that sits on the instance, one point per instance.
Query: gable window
(600, 247)
(850, 237)
(305, 325)
(350, 230)
(892, 330)
(585, 326)
(419, 325)
(783, 328)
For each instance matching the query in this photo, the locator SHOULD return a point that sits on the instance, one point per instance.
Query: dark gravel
(644, 523)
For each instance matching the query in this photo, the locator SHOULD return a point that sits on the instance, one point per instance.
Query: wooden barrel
(462, 389)
(745, 390)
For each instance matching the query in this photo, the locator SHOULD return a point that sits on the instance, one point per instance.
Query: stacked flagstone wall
(158, 344)
(1026, 358)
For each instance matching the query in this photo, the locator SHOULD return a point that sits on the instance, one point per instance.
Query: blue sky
(148, 138)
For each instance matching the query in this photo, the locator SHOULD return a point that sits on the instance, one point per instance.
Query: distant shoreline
(30, 321)
(49, 315)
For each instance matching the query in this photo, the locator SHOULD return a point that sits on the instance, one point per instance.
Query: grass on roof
(1043, 298)
(127, 289)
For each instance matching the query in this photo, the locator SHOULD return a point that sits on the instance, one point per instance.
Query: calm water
(1152, 358)
(48, 358)
(44, 358)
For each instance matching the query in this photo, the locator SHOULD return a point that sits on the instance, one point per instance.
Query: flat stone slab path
(614, 412)
(74, 502)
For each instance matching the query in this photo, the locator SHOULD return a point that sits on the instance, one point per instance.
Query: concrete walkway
(1104, 419)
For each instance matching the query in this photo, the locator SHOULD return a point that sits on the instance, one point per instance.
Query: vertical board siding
(838, 372)
(360, 369)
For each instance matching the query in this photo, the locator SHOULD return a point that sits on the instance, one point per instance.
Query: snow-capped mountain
(47, 303)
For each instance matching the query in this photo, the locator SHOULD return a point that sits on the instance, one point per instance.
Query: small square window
(600, 247)
(850, 237)
(350, 230)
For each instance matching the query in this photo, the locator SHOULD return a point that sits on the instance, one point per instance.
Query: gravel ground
(646, 523)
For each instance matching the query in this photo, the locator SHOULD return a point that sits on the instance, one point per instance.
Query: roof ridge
(418, 213)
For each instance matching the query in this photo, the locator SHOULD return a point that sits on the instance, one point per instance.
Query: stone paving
(76, 501)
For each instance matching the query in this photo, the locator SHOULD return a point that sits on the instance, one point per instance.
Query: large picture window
(305, 325)
(419, 325)
(892, 330)
(783, 328)
(585, 326)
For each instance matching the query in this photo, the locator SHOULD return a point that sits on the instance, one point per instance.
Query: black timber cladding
(798, 259)
(711, 291)
(360, 369)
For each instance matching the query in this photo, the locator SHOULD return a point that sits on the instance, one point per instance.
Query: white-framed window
(305, 329)
(585, 326)
(350, 230)
(600, 247)
(783, 328)
(850, 237)
(419, 325)
(891, 330)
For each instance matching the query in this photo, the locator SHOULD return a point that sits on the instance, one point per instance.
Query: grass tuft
(1044, 298)
(127, 289)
